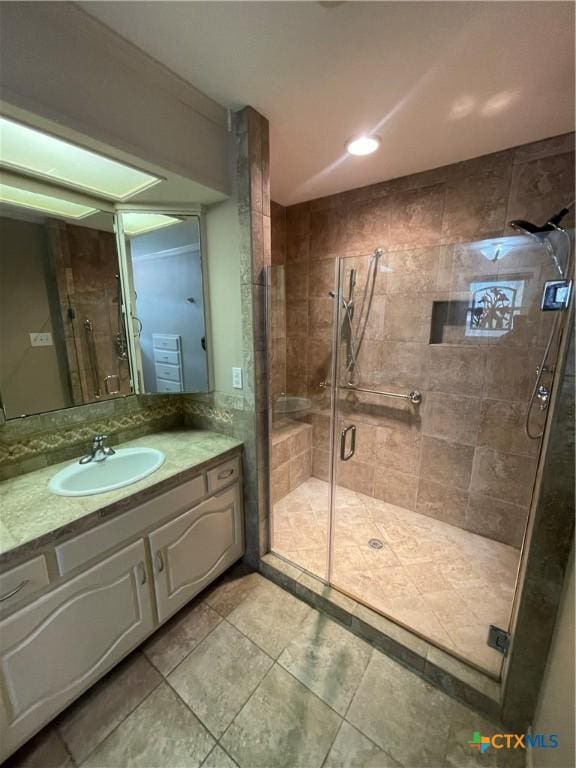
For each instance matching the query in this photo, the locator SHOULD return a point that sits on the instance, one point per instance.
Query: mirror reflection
(62, 336)
(164, 265)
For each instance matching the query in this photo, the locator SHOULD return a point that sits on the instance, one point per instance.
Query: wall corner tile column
(253, 169)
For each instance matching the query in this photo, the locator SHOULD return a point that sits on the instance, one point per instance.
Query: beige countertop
(32, 516)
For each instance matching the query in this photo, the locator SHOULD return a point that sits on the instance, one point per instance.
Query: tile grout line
(218, 744)
(105, 739)
(196, 715)
(53, 728)
(203, 601)
(275, 663)
(251, 640)
(183, 659)
(237, 715)
(189, 708)
(332, 743)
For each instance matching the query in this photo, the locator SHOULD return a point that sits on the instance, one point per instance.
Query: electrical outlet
(237, 378)
(41, 339)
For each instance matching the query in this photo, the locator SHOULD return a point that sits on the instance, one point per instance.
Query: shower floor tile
(444, 583)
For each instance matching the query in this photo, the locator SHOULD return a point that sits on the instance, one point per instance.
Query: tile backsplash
(37, 441)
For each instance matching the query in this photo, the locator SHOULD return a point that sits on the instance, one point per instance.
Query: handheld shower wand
(541, 234)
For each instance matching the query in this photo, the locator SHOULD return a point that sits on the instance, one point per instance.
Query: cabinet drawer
(166, 356)
(93, 543)
(22, 581)
(168, 372)
(223, 475)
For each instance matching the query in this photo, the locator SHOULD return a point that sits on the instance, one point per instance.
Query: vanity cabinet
(188, 552)
(107, 589)
(58, 645)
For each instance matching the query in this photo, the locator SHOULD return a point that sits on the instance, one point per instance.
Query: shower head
(528, 228)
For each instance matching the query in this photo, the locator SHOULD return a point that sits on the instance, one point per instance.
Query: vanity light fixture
(135, 223)
(39, 154)
(363, 145)
(36, 201)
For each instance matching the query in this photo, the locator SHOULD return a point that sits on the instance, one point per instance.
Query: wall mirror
(165, 292)
(62, 336)
(99, 298)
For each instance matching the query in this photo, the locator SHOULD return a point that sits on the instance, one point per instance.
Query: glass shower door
(300, 316)
(436, 357)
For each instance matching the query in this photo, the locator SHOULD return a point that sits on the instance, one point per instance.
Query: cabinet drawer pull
(225, 473)
(14, 591)
(159, 562)
(142, 572)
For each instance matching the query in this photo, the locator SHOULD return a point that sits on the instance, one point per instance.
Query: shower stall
(408, 393)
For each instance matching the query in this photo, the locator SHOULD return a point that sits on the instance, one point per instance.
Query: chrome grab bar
(414, 397)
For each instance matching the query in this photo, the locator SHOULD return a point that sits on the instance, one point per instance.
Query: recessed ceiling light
(138, 223)
(24, 198)
(40, 154)
(363, 145)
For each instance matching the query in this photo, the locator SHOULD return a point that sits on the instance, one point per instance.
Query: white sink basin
(126, 466)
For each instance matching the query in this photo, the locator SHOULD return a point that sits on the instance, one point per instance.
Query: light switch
(237, 378)
(41, 339)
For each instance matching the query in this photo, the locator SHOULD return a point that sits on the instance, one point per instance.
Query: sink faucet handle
(98, 446)
(98, 450)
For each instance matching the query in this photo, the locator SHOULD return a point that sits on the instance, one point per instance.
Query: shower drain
(376, 543)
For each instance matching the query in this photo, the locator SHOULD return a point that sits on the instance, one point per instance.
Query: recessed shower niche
(492, 310)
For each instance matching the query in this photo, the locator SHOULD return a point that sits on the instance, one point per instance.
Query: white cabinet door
(56, 647)
(190, 551)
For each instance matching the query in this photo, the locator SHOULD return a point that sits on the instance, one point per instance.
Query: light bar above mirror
(42, 155)
(138, 223)
(57, 206)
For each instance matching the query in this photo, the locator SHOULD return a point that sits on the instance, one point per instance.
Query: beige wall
(225, 318)
(28, 375)
(556, 705)
(462, 455)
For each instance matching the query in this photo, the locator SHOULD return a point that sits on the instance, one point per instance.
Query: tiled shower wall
(462, 456)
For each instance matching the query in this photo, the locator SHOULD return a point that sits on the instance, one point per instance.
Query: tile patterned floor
(445, 583)
(248, 676)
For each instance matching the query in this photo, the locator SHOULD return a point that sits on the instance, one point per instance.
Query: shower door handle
(343, 436)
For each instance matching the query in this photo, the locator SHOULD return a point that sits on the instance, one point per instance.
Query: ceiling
(439, 82)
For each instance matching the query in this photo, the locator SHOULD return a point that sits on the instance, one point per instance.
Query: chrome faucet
(99, 452)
